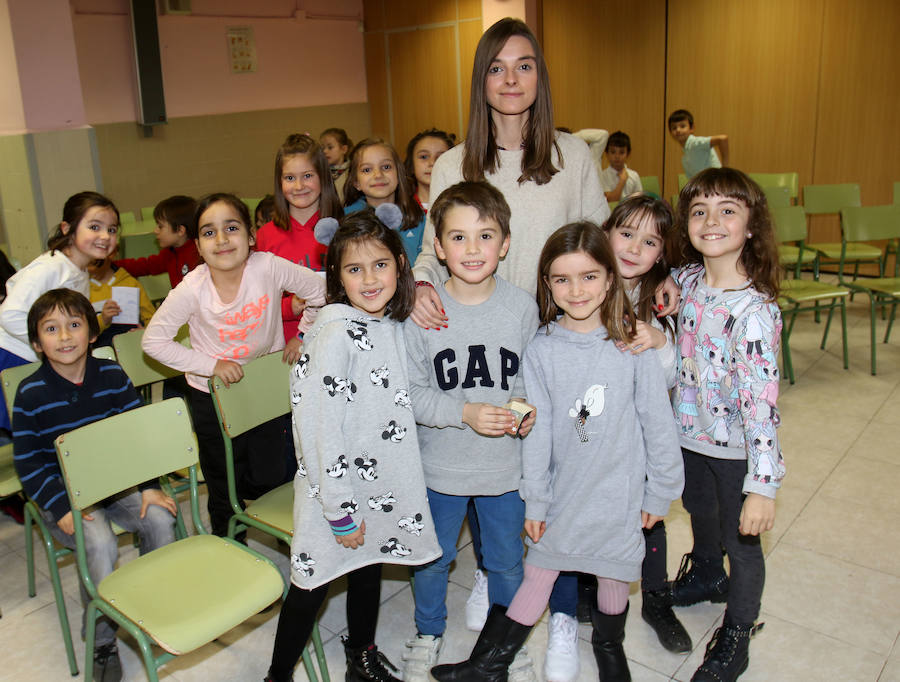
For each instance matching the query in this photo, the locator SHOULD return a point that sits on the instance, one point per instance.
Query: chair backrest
(138, 245)
(104, 353)
(262, 394)
(11, 378)
(650, 183)
(140, 367)
(789, 180)
(156, 286)
(116, 453)
(776, 196)
(871, 223)
(790, 223)
(147, 213)
(830, 198)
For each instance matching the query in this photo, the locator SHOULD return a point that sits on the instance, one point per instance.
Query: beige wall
(200, 154)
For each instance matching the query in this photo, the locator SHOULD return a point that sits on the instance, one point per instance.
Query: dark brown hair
(680, 115)
(481, 154)
(409, 162)
(630, 212)
(404, 197)
(360, 227)
(69, 301)
(482, 196)
(615, 311)
(205, 202)
(759, 257)
(265, 208)
(75, 208)
(178, 211)
(329, 202)
(340, 135)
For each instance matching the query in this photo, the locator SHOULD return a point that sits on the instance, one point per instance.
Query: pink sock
(612, 596)
(533, 595)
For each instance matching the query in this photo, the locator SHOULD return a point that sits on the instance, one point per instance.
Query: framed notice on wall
(241, 49)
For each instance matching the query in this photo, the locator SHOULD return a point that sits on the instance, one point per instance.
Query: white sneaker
(477, 605)
(561, 663)
(522, 667)
(421, 655)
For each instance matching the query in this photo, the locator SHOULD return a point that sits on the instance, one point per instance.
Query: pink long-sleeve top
(240, 330)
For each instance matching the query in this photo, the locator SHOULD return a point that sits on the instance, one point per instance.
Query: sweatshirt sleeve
(319, 419)
(529, 328)
(757, 385)
(665, 468)
(304, 283)
(427, 266)
(594, 206)
(431, 406)
(29, 283)
(535, 486)
(156, 264)
(159, 337)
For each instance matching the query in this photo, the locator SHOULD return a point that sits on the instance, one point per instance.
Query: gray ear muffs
(390, 215)
(325, 230)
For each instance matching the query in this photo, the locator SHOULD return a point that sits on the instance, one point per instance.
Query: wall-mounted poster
(241, 49)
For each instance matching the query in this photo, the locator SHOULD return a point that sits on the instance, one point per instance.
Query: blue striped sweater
(46, 406)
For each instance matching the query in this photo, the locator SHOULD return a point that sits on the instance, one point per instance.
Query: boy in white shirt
(699, 152)
(619, 181)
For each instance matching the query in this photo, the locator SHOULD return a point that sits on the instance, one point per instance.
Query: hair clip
(390, 215)
(325, 230)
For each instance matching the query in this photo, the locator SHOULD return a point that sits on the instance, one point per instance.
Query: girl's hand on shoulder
(646, 336)
(487, 419)
(109, 311)
(428, 311)
(670, 289)
(229, 372)
(757, 514)
(535, 529)
(292, 350)
(649, 520)
(353, 540)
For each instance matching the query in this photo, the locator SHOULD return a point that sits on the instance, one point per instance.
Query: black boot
(699, 580)
(587, 596)
(500, 639)
(656, 609)
(367, 664)
(607, 638)
(727, 653)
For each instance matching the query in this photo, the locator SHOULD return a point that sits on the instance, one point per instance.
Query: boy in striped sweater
(71, 389)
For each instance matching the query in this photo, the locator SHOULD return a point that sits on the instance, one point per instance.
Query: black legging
(301, 607)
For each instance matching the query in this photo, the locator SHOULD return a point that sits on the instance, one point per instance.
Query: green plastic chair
(251, 205)
(156, 286)
(777, 197)
(682, 181)
(260, 396)
(147, 213)
(650, 183)
(138, 244)
(143, 370)
(789, 180)
(791, 235)
(10, 379)
(873, 223)
(202, 570)
(802, 296)
(830, 199)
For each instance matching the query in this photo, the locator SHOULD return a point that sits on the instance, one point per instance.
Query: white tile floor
(831, 601)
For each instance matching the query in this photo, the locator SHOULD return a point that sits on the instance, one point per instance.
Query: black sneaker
(699, 580)
(728, 652)
(367, 664)
(656, 610)
(107, 664)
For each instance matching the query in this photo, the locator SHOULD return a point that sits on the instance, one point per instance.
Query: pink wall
(12, 114)
(300, 62)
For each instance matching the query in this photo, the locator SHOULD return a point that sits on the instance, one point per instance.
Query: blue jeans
(101, 546)
(501, 518)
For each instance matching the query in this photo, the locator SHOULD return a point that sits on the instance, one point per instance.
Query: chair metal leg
(872, 329)
(786, 349)
(844, 332)
(828, 322)
(90, 632)
(320, 654)
(887, 332)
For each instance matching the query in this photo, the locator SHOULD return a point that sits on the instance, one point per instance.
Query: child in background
(377, 177)
(699, 152)
(304, 193)
(88, 232)
(421, 153)
(336, 146)
(177, 252)
(725, 400)
(265, 211)
(601, 462)
(72, 388)
(618, 180)
(105, 276)
(461, 377)
(359, 496)
(230, 304)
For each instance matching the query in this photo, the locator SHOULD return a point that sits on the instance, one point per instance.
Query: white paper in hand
(128, 299)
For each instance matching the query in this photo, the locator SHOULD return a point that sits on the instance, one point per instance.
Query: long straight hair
(759, 257)
(630, 212)
(74, 210)
(329, 203)
(481, 155)
(404, 197)
(589, 238)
